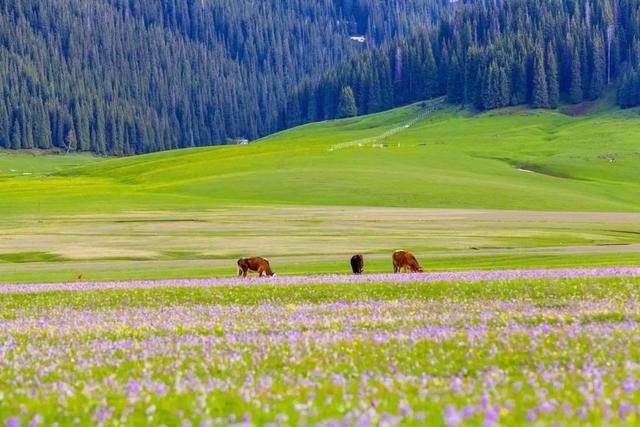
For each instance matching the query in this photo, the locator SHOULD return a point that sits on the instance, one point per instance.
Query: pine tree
(504, 89)
(625, 92)
(374, 97)
(575, 89)
(552, 77)
(430, 74)
(598, 69)
(99, 137)
(294, 115)
(455, 84)
(386, 82)
(27, 137)
(42, 134)
(5, 127)
(539, 94)
(347, 104)
(489, 90)
(472, 76)
(629, 90)
(16, 135)
(519, 89)
(312, 108)
(495, 91)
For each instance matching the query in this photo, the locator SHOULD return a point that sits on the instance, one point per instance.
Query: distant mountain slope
(133, 76)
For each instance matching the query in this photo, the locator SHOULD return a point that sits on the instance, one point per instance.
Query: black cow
(357, 264)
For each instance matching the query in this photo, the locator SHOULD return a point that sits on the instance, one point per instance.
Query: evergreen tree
(27, 137)
(294, 114)
(629, 90)
(519, 87)
(5, 140)
(16, 135)
(347, 104)
(552, 77)
(430, 73)
(473, 76)
(575, 89)
(598, 69)
(455, 84)
(374, 97)
(540, 90)
(495, 93)
(625, 93)
(504, 89)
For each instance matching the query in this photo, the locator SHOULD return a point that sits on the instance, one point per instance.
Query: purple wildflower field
(539, 347)
(336, 278)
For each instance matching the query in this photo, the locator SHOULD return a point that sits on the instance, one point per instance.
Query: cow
(357, 264)
(405, 261)
(257, 264)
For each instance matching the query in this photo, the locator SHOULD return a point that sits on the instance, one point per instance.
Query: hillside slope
(528, 160)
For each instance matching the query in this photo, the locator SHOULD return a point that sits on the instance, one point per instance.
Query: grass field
(462, 191)
(508, 189)
(544, 352)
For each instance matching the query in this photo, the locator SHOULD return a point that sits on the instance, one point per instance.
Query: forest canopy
(124, 77)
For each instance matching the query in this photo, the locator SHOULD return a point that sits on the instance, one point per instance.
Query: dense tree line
(491, 55)
(629, 90)
(132, 76)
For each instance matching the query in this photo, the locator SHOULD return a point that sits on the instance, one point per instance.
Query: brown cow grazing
(257, 264)
(405, 261)
(357, 264)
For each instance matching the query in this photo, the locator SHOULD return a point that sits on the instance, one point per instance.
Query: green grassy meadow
(510, 188)
(512, 352)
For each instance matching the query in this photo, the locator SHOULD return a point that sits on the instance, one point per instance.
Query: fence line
(423, 114)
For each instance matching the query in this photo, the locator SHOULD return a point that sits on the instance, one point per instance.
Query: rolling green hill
(315, 192)
(503, 160)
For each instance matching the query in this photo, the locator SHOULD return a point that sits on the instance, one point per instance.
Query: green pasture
(541, 292)
(510, 188)
(304, 354)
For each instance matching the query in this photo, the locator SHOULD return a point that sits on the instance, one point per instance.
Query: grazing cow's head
(415, 267)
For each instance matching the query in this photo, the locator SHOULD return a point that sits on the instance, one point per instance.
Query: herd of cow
(402, 261)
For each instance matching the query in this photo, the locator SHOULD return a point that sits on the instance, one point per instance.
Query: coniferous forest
(124, 77)
(133, 76)
(491, 55)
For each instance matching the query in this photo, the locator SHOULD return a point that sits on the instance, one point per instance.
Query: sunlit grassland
(543, 351)
(157, 245)
(501, 189)
(542, 292)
